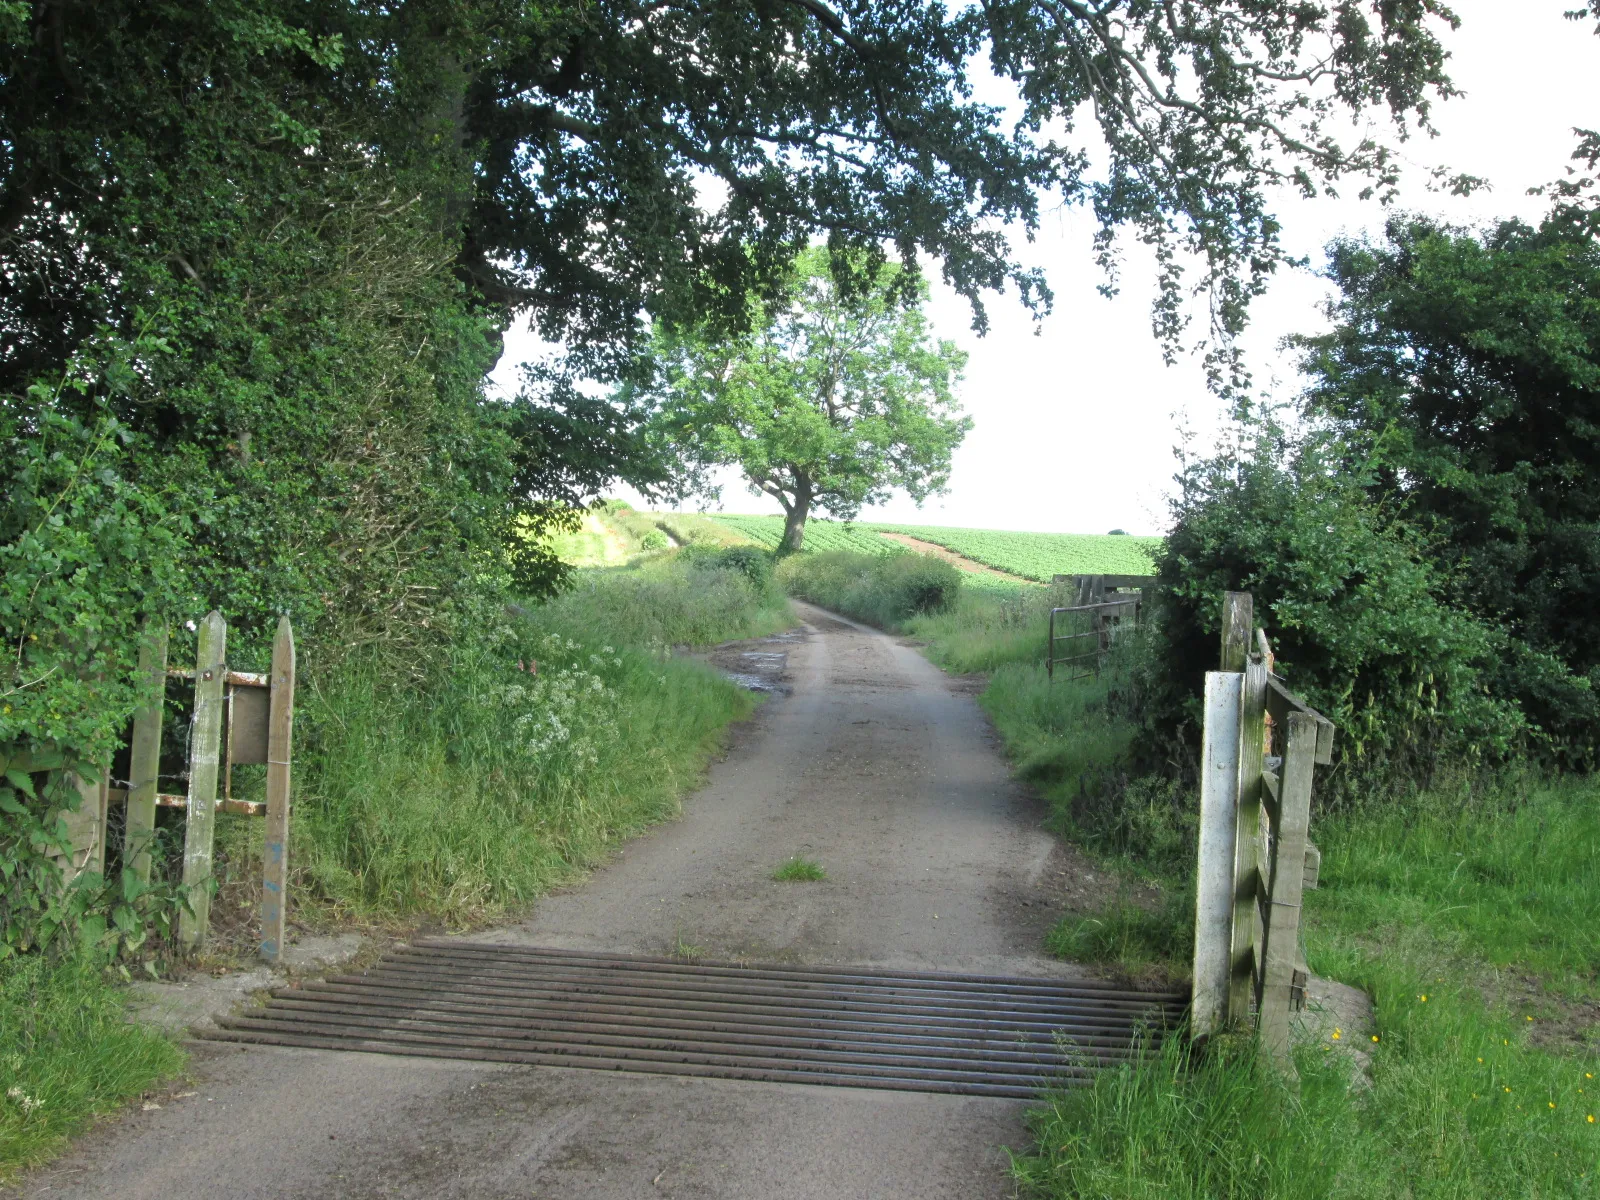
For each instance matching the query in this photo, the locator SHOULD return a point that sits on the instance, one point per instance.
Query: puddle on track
(758, 665)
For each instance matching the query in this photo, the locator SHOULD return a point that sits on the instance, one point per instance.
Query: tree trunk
(794, 525)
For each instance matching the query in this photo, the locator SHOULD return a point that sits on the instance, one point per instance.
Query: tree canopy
(562, 149)
(1466, 369)
(833, 399)
(1425, 545)
(267, 249)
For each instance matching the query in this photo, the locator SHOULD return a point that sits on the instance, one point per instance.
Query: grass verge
(885, 590)
(68, 1054)
(1463, 918)
(527, 753)
(1467, 915)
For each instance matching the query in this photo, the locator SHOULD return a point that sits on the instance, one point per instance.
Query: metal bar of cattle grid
(981, 1035)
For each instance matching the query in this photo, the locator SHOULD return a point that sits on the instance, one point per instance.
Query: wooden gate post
(1214, 882)
(205, 746)
(1237, 622)
(1246, 884)
(275, 852)
(145, 759)
(86, 826)
(1282, 920)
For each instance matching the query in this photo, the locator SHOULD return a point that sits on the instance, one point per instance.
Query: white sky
(1075, 428)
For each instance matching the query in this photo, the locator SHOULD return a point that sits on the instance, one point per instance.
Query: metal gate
(1082, 633)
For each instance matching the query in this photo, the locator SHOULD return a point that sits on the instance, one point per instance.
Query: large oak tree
(834, 398)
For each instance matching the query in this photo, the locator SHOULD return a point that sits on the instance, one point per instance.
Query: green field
(821, 535)
(1038, 556)
(1035, 556)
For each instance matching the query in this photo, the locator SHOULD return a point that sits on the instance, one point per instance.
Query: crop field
(1024, 556)
(820, 534)
(1038, 556)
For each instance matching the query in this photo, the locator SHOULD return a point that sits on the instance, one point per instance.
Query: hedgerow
(884, 589)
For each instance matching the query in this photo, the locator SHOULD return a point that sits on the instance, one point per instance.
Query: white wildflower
(26, 1102)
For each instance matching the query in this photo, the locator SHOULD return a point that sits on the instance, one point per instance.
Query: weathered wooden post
(1237, 622)
(205, 746)
(1214, 882)
(1247, 829)
(86, 826)
(144, 763)
(1091, 589)
(280, 737)
(1282, 932)
(1216, 886)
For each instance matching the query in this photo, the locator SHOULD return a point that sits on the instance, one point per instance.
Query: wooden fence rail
(1259, 754)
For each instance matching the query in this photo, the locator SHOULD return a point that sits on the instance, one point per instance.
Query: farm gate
(1082, 633)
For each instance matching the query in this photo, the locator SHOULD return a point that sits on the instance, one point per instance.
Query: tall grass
(886, 590)
(683, 599)
(987, 628)
(67, 1053)
(696, 529)
(1182, 1126)
(1472, 931)
(533, 747)
(1509, 875)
